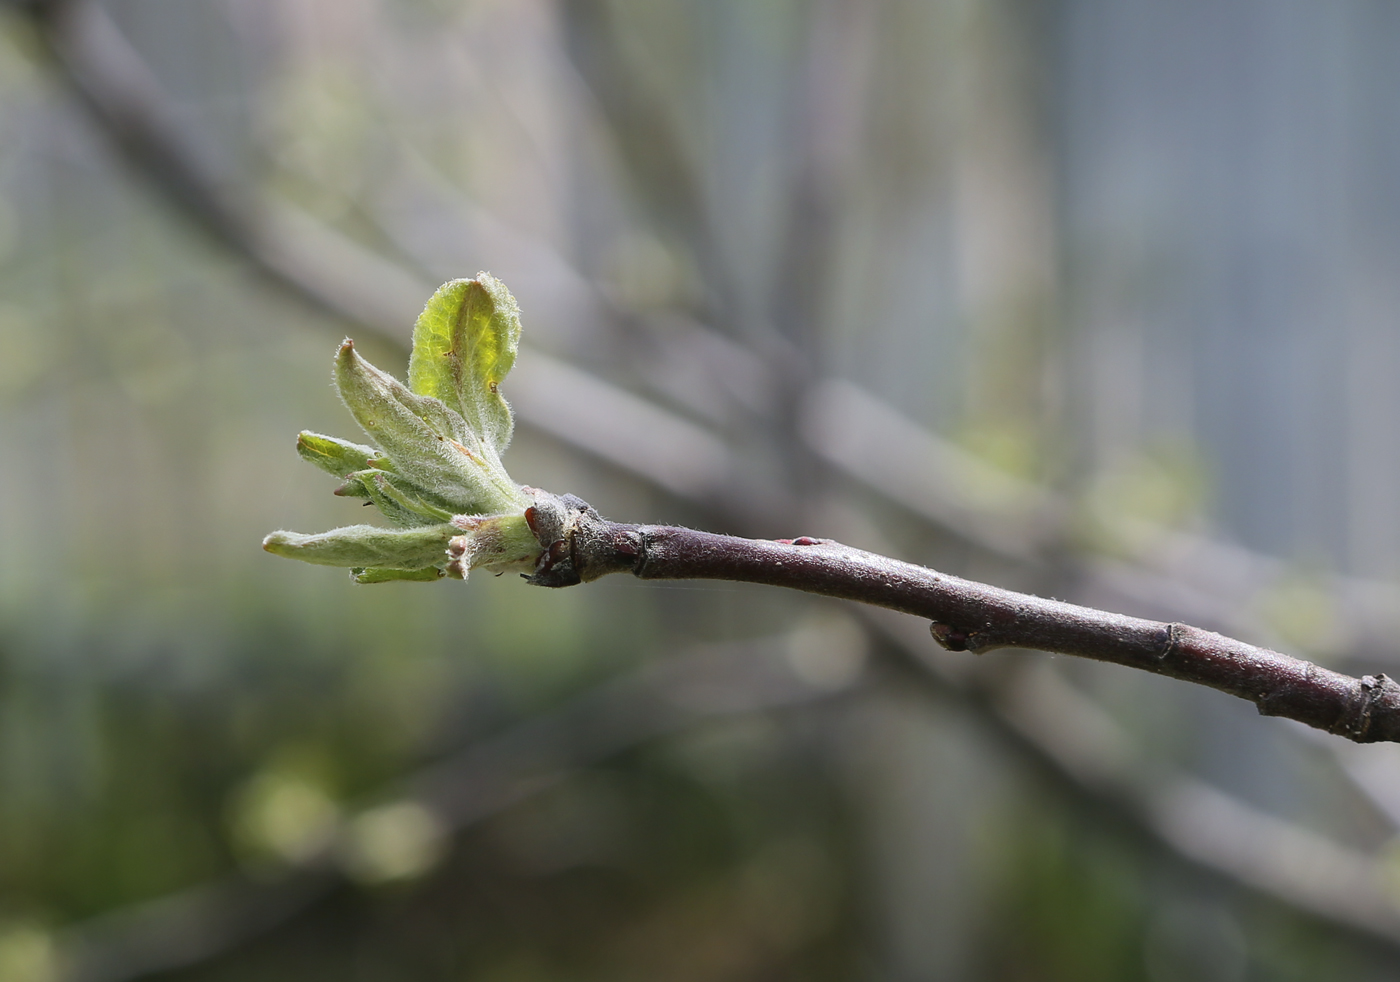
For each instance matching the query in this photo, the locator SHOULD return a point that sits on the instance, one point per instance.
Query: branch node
(1172, 638)
(579, 544)
(1371, 693)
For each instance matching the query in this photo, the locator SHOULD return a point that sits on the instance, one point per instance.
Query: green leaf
(366, 545)
(338, 457)
(437, 471)
(401, 502)
(387, 574)
(464, 345)
(429, 443)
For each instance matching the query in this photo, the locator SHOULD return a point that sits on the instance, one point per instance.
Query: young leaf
(366, 545)
(438, 475)
(464, 345)
(338, 457)
(387, 574)
(401, 502)
(428, 442)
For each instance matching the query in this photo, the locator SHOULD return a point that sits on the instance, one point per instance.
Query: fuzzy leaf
(464, 345)
(366, 545)
(402, 503)
(338, 457)
(438, 475)
(387, 574)
(428, 443)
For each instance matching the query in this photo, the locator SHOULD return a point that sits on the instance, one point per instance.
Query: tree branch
(934, 493)
(579, 545)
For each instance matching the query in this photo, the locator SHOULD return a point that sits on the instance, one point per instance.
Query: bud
(499, 543)
(437, 471)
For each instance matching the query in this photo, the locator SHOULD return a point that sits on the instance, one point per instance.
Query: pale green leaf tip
(273, 541)
(336, 456)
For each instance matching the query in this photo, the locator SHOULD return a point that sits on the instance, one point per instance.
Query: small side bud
(499, 543)
(459, 557)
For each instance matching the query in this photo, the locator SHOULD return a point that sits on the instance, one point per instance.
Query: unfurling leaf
(427, 442)
(464, 345)
(436, 472)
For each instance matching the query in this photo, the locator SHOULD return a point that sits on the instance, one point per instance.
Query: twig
(580, 545)
(287, 262)
(1083, 754)
(1166, 573)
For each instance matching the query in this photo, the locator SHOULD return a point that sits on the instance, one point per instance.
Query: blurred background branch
(405, 830)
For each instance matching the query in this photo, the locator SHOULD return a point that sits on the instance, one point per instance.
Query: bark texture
(580, 545)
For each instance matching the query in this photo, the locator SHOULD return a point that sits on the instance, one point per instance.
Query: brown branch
(580, 545)
(132, 116)
(1071, 743)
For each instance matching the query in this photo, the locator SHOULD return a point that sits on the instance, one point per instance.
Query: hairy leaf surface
(464, 345)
